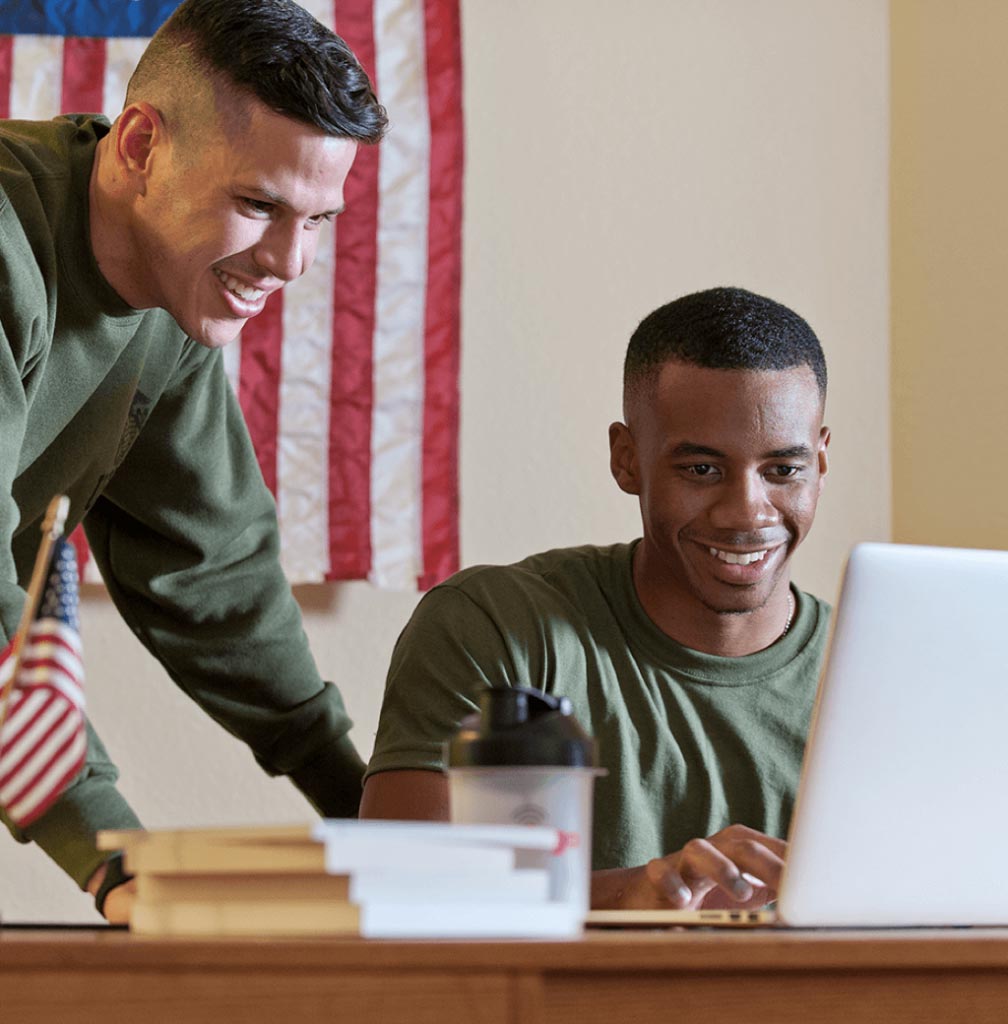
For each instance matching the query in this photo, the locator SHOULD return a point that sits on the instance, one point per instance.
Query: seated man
(687, 654)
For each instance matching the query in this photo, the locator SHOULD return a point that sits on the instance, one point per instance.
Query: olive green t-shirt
(692, 742)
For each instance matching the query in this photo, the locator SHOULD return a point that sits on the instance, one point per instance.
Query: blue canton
(59, 599)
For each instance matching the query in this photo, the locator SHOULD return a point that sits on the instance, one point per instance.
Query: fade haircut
(723, 329)
(272, 50)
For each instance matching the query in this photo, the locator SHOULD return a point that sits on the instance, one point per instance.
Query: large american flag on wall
(349, 378)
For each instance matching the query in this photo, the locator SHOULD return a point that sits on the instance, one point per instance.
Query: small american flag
(42, 739)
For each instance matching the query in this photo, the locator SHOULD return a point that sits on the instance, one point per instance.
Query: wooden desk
(72, 977)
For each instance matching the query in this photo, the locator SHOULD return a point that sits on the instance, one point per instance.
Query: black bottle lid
(517, 725)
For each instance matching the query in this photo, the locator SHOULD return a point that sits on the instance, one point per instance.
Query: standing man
(128, 254)
(688, 654)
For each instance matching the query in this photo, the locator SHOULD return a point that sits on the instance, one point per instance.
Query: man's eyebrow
(688, 448)
(278, 200)
(796, 451)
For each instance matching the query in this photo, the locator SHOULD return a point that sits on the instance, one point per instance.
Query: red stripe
(6, 66)
(12, 736)
(50, 633)
(32, 783)
(11, 768)
(80, 544)
(259, 383)
(69, 711)
(58, 677)
(32, 663)
(55, 786)
(352, 391)
(439, 516)
(83, 76)
(55, 790)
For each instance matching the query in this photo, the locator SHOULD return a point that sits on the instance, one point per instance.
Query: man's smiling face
(233, 216)
(728, 466)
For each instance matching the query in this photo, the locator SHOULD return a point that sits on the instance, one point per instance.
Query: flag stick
(52, 527)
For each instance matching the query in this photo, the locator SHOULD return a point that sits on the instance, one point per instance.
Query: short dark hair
(275, 51)
(722, 328)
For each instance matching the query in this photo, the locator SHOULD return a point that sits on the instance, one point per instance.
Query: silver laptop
(902, 810)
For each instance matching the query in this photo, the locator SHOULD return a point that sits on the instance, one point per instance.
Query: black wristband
(115, 876)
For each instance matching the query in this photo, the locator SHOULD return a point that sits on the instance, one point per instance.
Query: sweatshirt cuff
(66, 832)
(331, 780)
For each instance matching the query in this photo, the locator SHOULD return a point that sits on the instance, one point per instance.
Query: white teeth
(732, 559)
(243, 291)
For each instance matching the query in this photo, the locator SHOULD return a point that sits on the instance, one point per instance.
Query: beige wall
(949, 259)
(618, 156)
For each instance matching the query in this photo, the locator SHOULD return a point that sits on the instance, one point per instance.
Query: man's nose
(744, 503)
(283, 252)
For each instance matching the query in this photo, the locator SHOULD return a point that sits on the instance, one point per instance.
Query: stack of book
(378, 879)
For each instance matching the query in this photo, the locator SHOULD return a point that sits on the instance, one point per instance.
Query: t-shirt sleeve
(186, 538)
(449, 653)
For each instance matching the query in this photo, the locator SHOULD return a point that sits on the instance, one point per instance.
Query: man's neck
(111, 237)
(685, 619)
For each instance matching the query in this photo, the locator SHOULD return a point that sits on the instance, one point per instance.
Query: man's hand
(737, 867)
(119, 901)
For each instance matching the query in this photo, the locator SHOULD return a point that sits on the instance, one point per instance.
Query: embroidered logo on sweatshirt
(139, 410)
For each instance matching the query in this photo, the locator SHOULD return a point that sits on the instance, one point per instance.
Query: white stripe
(36, 76)
(322, 10)
(304, 394)
(400, 299)
(64, 683)
(303, 418)
(35, 745)
(44, 786)
(59, 660)
(23, 708)
(49, 632)
(121, 56)
(59, 645)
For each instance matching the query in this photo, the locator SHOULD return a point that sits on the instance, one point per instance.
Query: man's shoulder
(37, 150)
(560, 589)
(44, 170)
(557, 569)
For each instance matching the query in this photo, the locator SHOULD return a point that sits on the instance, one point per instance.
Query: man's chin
(736, 600)
(217, 335)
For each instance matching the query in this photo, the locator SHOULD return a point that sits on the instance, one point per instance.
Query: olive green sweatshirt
(138, 424)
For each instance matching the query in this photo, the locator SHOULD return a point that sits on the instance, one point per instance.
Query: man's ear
(138, 130)
(623, 458)
(824, 440)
